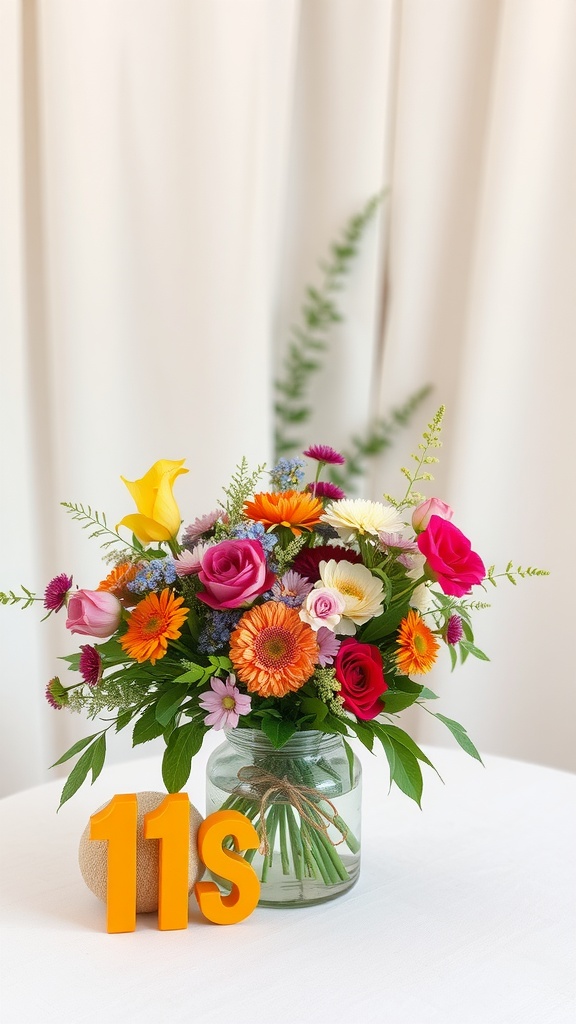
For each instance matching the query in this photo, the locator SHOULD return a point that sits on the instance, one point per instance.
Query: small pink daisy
(324, 489)
(200, 526)
(56, 592)
(189, 562)
(90, 665)
(225, 703)
(324, 453)
(328, 645)
(396, 542)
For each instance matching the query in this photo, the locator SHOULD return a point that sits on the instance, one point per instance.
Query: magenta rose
(359, 672)
(233, 573)
(93, 613)
(450, 560)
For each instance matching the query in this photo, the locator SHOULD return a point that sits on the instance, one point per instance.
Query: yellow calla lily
(158, 516)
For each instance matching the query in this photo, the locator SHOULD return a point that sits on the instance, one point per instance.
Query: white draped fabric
(170, 174)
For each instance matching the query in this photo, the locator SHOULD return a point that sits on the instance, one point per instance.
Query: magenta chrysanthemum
(454, 631)
(56, 592)
(55, 693)
(324, 489)
(326, 454)
(90, 665)
(308, 560)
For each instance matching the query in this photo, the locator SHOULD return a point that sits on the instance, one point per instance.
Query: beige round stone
(93, 857)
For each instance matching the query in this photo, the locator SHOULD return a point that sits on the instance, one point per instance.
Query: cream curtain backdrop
(171, 173)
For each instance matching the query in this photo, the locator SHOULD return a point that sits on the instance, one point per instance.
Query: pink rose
(449, 558)
(431, 507)
(361, 677)
(234, 572)
(93, 613)
(322, 607)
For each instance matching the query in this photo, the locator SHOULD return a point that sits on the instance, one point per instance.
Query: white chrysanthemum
(361, 592)
(353, 517)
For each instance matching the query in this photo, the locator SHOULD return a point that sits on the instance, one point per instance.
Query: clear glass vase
(304, 801)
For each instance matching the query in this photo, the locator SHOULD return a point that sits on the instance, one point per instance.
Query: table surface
(464, 913)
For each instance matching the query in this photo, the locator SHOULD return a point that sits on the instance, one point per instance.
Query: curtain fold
(171, 174)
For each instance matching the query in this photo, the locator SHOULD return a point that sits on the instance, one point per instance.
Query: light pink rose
(233, 573)
(93, 613)
(322, 607)
(430, 507)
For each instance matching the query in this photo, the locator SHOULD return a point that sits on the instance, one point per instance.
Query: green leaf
(77, 775)
(474, 651)
(399, 736)
(195, 674)
(426, 694)
(74, 749)
(194, 624)
(453, 656)
(169, 702)
(383, 624)
(314, 706)
(388, 747)
(124, 719)
(98, 756)
(460, 735)
(407, 685)
(395, 701)
(364, 733)
(350, 759)
(184, 742)
(277, 730)
(407, 774)
(147, 727)
(72, 659)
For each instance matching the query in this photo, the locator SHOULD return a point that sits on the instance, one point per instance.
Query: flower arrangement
(286, 609)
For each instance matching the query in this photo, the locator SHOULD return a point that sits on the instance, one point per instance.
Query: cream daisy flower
(361, 592)
(353, 517)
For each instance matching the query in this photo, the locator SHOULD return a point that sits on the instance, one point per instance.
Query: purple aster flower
(56, 592)
(328, 646)
(396, 542)
(454, 631)
(225, 704)
(324, 489)
(90, 665)
(291, 589)
(324, 453)
(200, 526)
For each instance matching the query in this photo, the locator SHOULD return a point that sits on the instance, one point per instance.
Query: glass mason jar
(304, 801)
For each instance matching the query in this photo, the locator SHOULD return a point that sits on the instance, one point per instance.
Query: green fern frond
(510, 573)
(309, 339)
(240, 489)
(26, 598)
(430, 439)
(96, 521)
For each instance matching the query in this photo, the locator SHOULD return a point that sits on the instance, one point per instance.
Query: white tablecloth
(464, 913)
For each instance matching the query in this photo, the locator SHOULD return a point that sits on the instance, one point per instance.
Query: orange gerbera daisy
(118, 579)
(154, 622)
(418, 645)
(295, 509)
(272, 650)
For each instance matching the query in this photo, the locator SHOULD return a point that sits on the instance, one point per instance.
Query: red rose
(449, 557)
(359, 672)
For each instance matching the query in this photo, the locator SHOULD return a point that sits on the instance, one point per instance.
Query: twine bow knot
(304, 799)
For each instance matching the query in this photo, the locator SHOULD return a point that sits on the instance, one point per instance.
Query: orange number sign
(170, 823)
(245, 885)
(117, 823)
